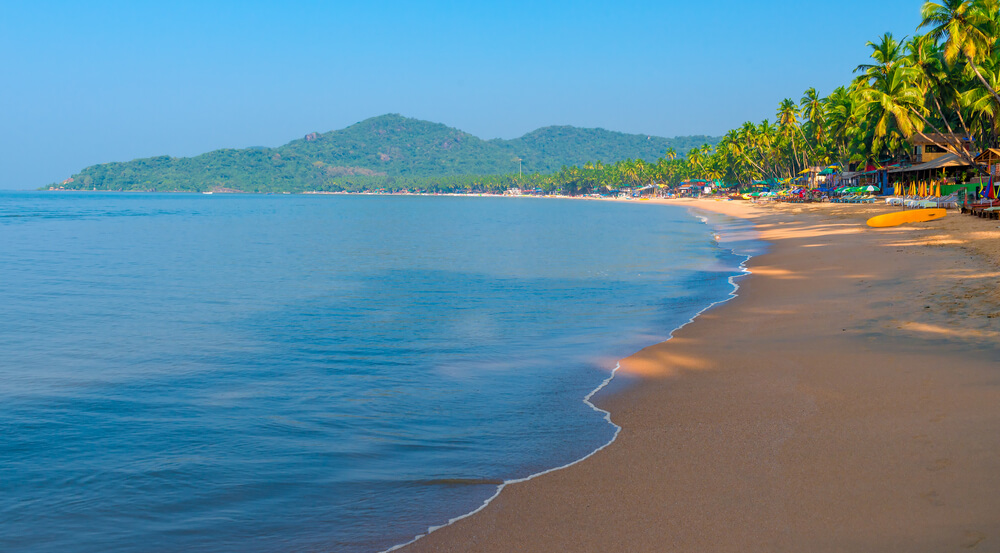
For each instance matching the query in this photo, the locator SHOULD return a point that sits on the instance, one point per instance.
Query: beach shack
(928, 147)
(870, 176)
(648, 190)
(943, 174)
(694, 188)
(933, 169)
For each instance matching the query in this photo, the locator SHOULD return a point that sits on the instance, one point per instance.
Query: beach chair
(991, 213)
(914, 203)
(977, 208)
(949, 201)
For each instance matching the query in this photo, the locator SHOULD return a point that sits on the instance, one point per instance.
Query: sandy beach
(847, 400)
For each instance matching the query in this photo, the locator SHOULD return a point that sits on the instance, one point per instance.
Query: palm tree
(694, 161)
(936, 83)
(894, 106)
(814, 112)
(983, 107)
(887, 52)
(788, 123)
(843, 121)
(965, 26)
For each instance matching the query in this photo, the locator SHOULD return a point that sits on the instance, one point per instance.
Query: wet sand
(847, 400)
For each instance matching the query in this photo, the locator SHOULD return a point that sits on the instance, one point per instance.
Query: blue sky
(91, 82)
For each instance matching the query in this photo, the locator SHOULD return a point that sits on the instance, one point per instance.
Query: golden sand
(847, 400)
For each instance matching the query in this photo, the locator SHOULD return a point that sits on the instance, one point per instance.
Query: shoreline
(744, 272)
(595, 505)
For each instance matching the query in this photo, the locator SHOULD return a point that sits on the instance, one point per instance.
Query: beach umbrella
(870, 188)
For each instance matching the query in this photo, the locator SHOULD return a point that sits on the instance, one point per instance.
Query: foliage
(945, 82)
(388, 152)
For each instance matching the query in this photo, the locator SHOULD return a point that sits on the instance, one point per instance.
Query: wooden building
(927, 147)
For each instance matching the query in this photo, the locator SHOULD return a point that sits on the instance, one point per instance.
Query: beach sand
(847, 400)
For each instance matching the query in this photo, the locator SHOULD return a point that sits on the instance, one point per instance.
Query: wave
(743, 271)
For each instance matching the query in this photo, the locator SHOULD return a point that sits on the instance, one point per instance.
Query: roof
(852, 174)
(990, 156)
(922, 138)
(947, 160)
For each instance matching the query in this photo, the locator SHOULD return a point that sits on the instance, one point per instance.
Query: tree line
(944, 81)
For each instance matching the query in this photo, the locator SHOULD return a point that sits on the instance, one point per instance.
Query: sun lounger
(978, 207)
(914, 203)
(990, 212)
(942, 202)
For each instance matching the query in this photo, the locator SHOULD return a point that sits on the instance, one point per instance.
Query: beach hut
(647, 190)
(927, 147)
(926, 179)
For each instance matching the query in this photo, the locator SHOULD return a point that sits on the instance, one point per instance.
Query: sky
(91, 82)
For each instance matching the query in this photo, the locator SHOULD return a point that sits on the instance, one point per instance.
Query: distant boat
(209, 192)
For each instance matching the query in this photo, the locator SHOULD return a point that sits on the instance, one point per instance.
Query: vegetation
(390, 152)
(945, 81)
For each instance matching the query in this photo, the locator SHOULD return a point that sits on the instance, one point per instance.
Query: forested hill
(386, 146)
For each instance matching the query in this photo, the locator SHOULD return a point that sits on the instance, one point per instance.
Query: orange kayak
(903, 217)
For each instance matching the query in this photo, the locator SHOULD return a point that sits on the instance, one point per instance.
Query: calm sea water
(312, 373)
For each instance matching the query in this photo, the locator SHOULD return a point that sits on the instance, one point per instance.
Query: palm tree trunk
(941, 113)
(961, 118)
(960, 151)
(982, 80)
(993, 131)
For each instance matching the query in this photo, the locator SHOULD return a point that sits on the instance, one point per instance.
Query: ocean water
(312, 373)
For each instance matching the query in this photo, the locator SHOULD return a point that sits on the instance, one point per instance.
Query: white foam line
(607, 415)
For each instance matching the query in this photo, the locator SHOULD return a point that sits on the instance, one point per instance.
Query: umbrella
(870, 188)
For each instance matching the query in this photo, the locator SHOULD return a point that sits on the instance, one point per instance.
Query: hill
(377, 149)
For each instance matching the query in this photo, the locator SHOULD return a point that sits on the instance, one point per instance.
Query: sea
(279, 373)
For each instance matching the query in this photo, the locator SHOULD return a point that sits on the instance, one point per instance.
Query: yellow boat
(903, 217)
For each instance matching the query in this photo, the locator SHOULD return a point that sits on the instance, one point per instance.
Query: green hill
(378, 149)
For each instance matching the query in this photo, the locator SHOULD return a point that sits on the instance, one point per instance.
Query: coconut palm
(843, 121)
(694, 160)
(982, 105)
(965, 27)
(930, 75)
(887, 52)
(814, 113)
(788, 124)
(894, 107)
